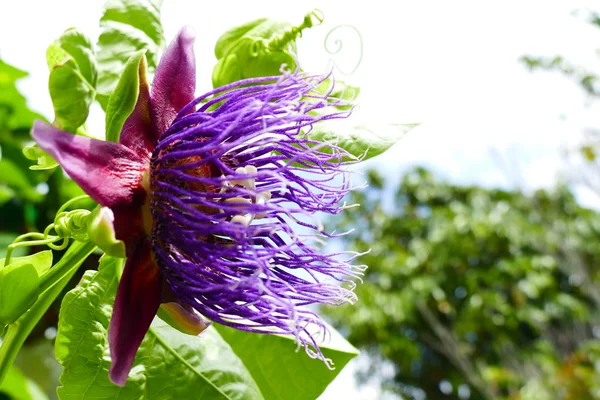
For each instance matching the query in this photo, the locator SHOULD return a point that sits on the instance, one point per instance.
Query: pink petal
(129, 223)
(109, 173)
(175, 80)
(136, 304)
(138, 132)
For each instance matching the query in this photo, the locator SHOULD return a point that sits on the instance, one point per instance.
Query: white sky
(450, 65)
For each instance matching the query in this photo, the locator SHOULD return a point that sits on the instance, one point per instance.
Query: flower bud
(101, 232)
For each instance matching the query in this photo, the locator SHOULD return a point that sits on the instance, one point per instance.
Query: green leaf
(280, 371)
(19, 387)
(258, 48)
(227, 40)
(122, 101)
(55, 55)
(341, 90)
(243, 52)
(127, 27)
(71, 95)
(19, 290)
(76, 45)
(168, 365)
(360, 140)
(72, 79)
(42, 261)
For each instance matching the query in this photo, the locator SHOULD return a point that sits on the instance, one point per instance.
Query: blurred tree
(476, 293)
(587, 79)
(584, 161)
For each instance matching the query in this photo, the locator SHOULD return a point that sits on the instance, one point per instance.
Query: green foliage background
(492, 289)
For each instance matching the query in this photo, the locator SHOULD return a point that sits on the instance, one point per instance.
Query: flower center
(249, 183)
(188, 189)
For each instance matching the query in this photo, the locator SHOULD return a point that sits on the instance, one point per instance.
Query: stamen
(248, 183)
(262, 200)
(242, 219)
(238, 200)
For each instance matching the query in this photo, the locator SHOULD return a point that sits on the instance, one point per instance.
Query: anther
(242, 219)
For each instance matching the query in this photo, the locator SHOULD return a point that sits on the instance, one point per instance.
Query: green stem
(51, 286)
(30, 243)
(72, 259)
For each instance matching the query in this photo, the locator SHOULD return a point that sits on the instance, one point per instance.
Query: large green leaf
(19, 290)
(19, 387)
(127, 27)
(168, 365)
(42, 261)
(19, 283)
(72, 80)
(360, 140)
(71, 96)
(280, 371)
(76, 45)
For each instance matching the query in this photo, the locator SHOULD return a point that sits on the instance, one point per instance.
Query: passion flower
(214, 199)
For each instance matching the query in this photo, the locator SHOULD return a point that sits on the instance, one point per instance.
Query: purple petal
(138, 132)
(137, 302)
(129, 223)
(175, 80)
(109, 173)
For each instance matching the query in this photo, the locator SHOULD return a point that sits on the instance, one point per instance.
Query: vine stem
(56, 280)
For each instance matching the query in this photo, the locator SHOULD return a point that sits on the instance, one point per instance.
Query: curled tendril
(67, 225)
(314, 18)
(339, 45)
(72, 224)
